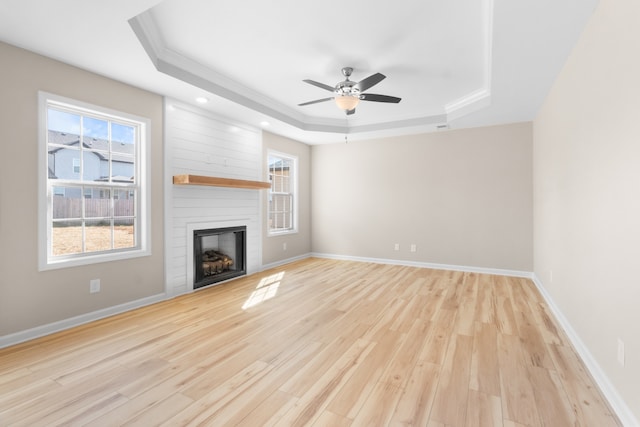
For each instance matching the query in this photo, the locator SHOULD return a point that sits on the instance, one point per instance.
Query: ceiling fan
(348, 94)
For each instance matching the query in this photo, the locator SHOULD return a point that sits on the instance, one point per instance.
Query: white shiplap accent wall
(201, 143)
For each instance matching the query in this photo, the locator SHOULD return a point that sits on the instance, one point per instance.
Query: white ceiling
(461, 63)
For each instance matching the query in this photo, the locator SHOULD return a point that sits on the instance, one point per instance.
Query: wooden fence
(93, 208)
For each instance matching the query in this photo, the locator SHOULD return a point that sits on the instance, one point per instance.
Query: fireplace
(219, 254)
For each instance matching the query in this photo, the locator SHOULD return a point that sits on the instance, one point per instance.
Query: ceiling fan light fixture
(347, 102)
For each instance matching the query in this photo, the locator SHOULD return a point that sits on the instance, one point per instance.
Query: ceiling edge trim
(481, 97)
(419, 121)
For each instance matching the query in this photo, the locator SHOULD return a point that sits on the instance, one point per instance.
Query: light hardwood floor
(316, 342)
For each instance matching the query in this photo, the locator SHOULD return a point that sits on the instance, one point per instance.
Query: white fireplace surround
(201, 143)
(193, 226)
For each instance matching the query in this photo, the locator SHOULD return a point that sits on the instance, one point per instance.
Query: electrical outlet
(94, 286)
(396, 247)
(620, 352)
(413, 247)
(284, 246)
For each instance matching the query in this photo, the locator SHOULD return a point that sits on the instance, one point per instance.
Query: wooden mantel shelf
(219, 182)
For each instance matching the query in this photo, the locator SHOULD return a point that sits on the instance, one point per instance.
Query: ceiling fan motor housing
(346, 88)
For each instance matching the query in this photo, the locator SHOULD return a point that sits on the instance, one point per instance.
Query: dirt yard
(68, 240)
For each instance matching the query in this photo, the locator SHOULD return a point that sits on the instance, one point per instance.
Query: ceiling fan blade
(379, 98)
(314, 102)
(370, 81)
(320, 85)
(350, 112)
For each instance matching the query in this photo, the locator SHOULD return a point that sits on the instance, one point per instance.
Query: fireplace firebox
(219, 254)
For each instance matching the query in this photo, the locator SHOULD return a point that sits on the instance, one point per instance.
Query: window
(93, 198)
(282, 212)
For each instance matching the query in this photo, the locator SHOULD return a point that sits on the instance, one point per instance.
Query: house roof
(123, 153)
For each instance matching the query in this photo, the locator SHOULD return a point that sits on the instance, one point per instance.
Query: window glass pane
(63, 123)
(95, 167)
(67, 202)
(66, 237)
(93, 128)
(63, 163)
(122, 168)
(97, 234)
(124, 203)
(99, 204)
(124, 233)
(286, 186)
(123, 139)
(91, 143)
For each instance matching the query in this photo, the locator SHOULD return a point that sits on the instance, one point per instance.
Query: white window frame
(294, 192)
(46, 261)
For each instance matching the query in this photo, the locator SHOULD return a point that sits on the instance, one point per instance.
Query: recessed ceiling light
(202, 100)
(264, 123)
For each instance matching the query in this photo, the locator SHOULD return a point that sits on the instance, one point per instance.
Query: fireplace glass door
(219, 255)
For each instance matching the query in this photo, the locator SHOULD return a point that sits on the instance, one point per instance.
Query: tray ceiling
(459, 63)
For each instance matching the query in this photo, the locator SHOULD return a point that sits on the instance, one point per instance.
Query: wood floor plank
(379, 406)
(548, 328)
(437, 340)
(484, 410)
(586, 401)
(155, 415)
(401, 365)
(316, 399)
(553, 405)
(335, 343)
(329, 419)
(485, 369)
(518, 401)
(203, 409)
(414, 405)
(270, 411)
(450, 403)
(351, 397)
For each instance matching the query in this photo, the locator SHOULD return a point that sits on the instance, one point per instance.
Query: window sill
(281, 233)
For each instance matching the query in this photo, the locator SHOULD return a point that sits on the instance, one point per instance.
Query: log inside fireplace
(219, 255)
(214, 262)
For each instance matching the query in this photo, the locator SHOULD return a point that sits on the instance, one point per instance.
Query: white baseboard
(467, 269)
(285, 261)
(40, 331)
(611, 394)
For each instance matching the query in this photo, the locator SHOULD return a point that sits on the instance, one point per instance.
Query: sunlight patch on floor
(266, 289)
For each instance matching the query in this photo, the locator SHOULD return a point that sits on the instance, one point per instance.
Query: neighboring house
(65, 161)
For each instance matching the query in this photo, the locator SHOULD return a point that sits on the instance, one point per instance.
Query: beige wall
(298, 244)
(29, 298)
(463, 197)
(587, 192)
